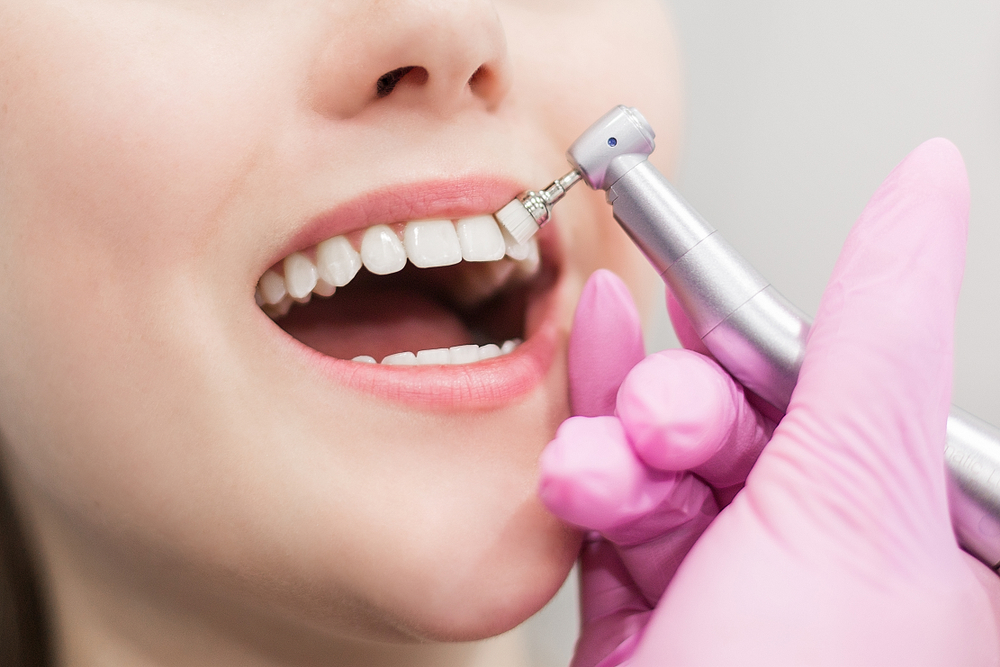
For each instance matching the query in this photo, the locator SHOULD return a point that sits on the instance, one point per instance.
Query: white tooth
(300, 275)
(324, 288)
(400, 358)
(304, 300)
(439, 355)
(337, 262)
(431, 243)
(528, 266)
(381, 250)
(464, 354)
(258, 297)
(280, 309)
(510, 345)
(520, 251)
(489, 351)
(285, 305)
(481, 239)
(364, 359)
(272, 287)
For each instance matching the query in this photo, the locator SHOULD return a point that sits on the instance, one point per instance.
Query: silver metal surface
(762, 344)
(663, 227)
(754, 332)
(973, 459)
(539, 204)
(620, 132)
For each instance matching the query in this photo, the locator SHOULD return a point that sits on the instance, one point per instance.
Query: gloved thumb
(867, 418)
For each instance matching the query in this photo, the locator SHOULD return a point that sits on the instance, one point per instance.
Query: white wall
(798, 110)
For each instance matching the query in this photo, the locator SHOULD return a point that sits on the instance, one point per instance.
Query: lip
(483, 385)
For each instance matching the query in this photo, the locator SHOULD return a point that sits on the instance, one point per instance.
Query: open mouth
(420, 293)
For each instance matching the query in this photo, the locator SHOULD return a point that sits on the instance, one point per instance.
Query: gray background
(796, 111)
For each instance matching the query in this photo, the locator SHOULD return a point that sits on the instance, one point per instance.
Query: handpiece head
(618, 141)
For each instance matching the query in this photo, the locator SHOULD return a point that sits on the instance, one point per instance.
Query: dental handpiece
(757, 335)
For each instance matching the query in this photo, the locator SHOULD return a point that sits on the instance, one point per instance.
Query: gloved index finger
(605, 343)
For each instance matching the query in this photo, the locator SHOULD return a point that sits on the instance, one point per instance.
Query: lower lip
(476, 386)
(482, 385)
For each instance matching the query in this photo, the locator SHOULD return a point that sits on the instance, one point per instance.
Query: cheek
(123, 134)
(122, 158)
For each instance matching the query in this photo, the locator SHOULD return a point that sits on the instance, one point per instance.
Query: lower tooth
(464, 354)
(400, 359)
(437, 356)
(489, 351)
(510, 345)
(445, 356)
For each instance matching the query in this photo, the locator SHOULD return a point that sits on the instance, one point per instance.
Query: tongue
(376, 323)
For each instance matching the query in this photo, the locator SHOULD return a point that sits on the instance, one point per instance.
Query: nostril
(479, 78)
(388, 81)
(488, 83)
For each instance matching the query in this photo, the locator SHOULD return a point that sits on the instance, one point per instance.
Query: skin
(194, 496)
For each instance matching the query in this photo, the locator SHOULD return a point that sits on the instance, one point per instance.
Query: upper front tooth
(300, 275)
(381, 250)
(337, 262)
(432, 243)
(481, 239)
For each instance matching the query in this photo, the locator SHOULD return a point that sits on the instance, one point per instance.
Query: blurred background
(795, 113)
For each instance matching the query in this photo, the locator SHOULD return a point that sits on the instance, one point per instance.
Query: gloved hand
(839, 550)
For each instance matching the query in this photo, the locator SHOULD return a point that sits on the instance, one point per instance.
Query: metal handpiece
(754, 332)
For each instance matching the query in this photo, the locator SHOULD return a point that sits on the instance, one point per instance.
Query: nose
(437, 56)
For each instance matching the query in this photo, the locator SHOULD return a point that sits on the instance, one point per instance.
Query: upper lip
(439, 198)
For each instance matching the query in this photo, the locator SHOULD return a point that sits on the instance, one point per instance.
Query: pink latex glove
(839, 550)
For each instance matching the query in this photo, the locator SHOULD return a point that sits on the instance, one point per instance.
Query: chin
(475, 591)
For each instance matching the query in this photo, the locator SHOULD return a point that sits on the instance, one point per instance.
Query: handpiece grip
(759, 337)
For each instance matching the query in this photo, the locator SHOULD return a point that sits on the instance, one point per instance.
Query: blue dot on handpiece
(612, 142)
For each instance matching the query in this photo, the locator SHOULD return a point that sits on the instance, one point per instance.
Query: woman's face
(169, 437)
